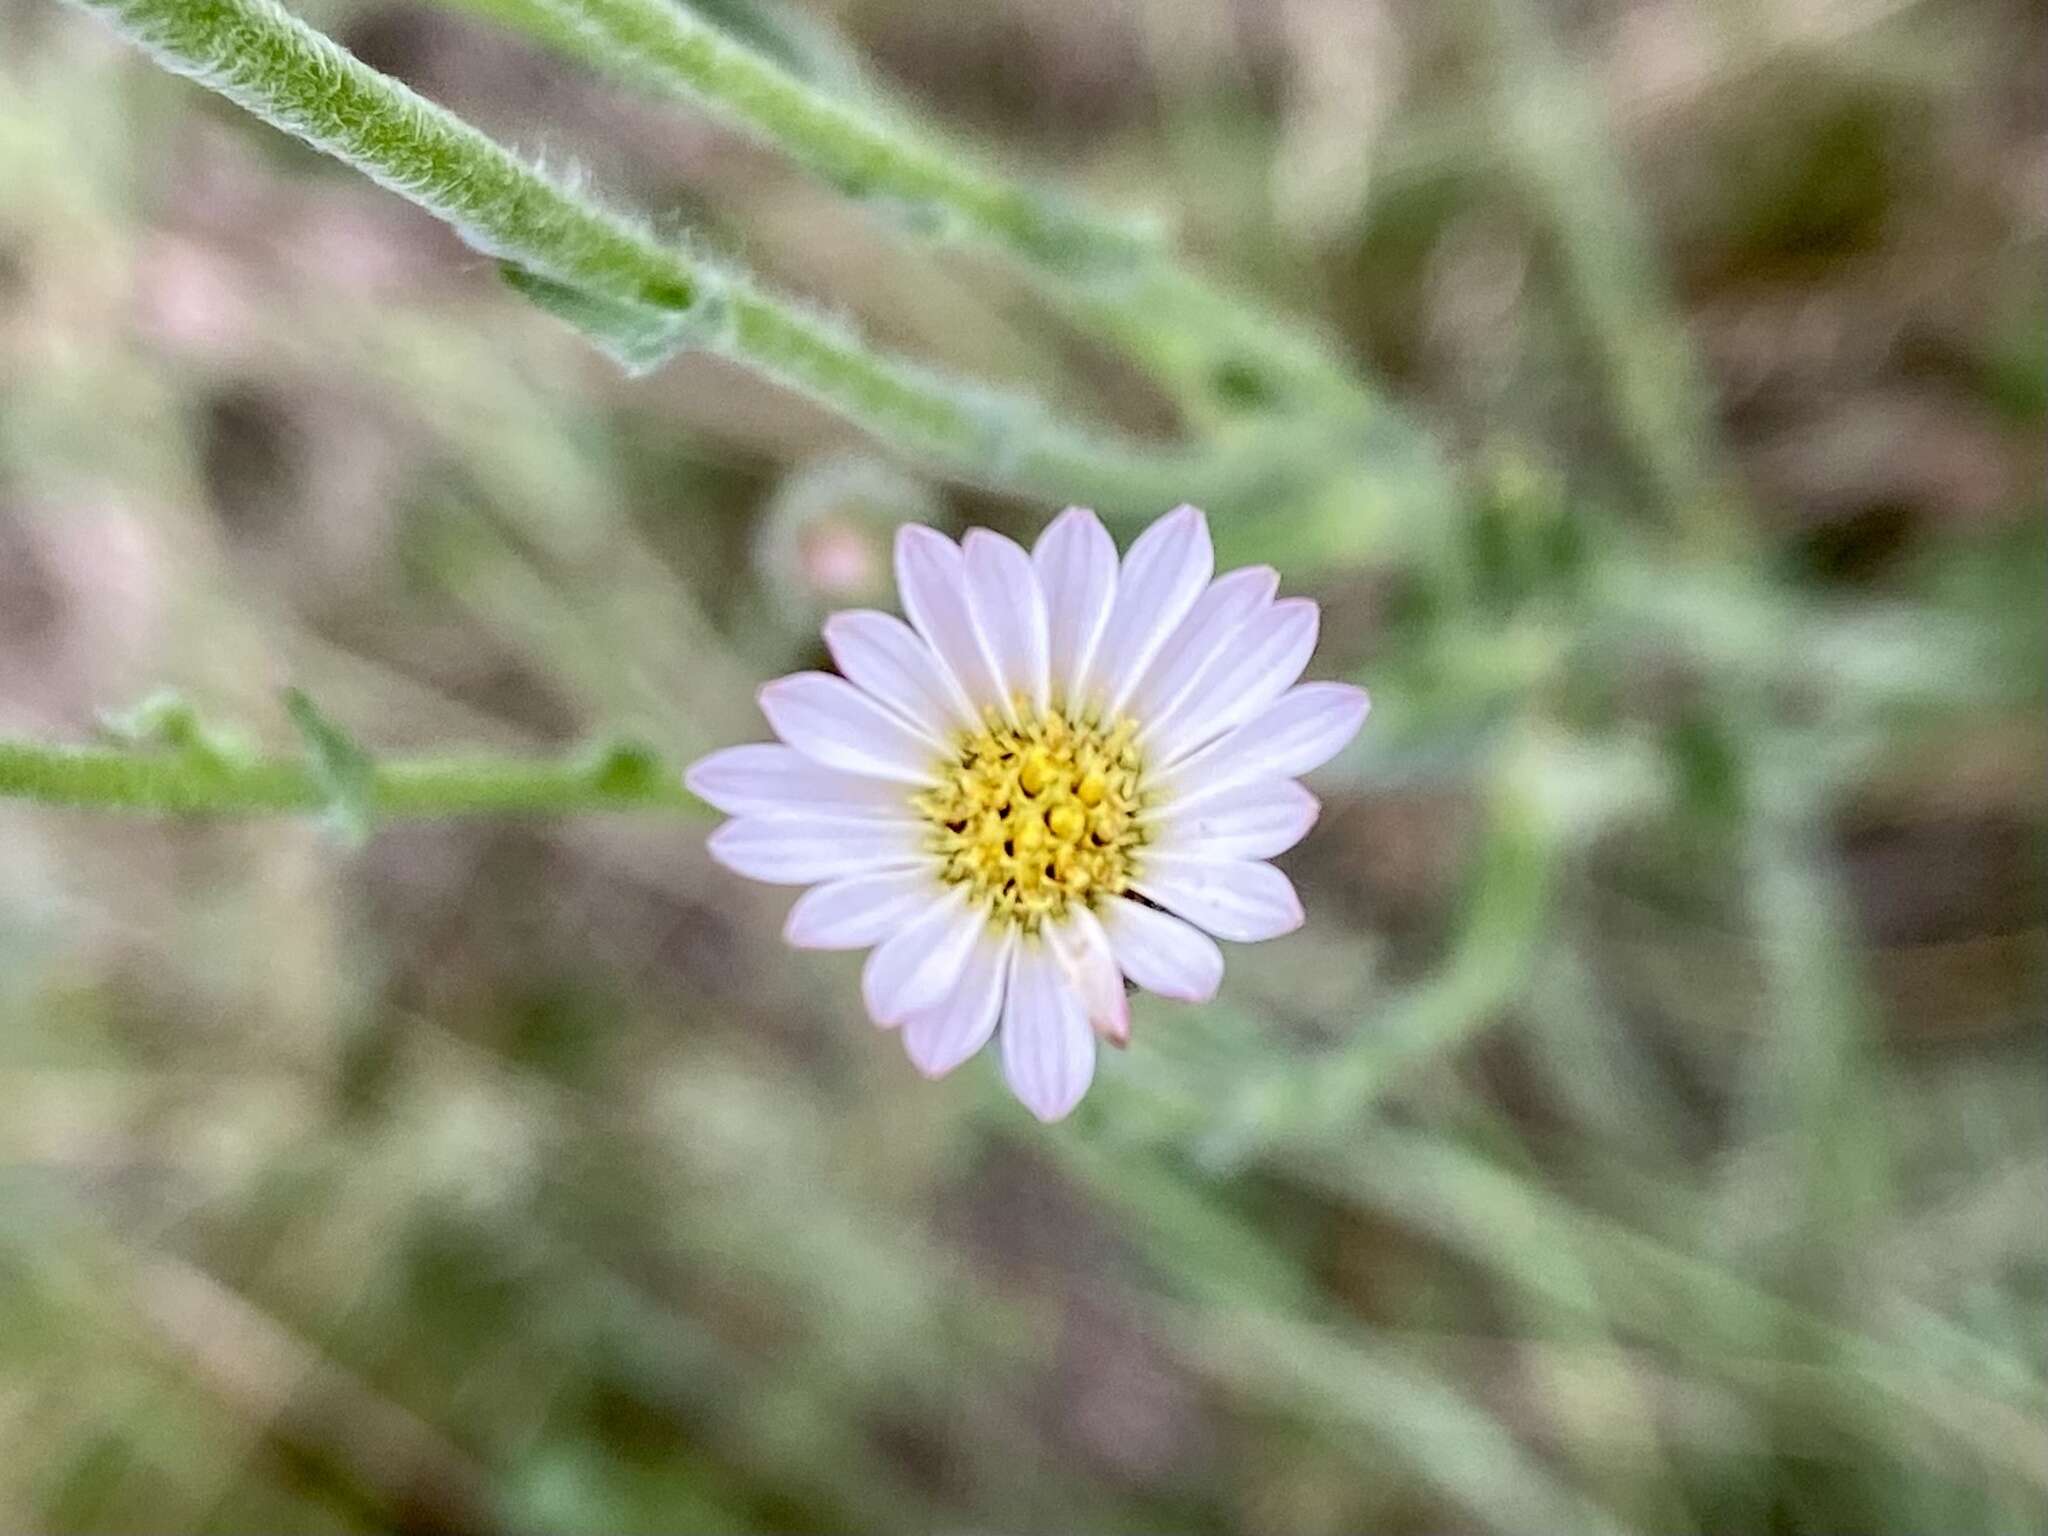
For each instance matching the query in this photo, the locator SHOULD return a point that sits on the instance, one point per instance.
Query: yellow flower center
(1035, 815)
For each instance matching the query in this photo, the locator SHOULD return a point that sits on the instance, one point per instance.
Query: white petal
(832, 722)
(1210, 627)
(767, 778)
(1162, 576)
(799, 850)
(1252, 821)
(1235, 899)
(918, 964)
(1303, 729)
(860, 910)
(1161, 953)
(1048, 1049)
(1009, 611)
(931, 580)
(1082, 950)
(1261, 663)
(939, 1039)
(883, 655)
(1076, 563)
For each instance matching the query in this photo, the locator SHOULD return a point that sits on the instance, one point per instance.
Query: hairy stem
(198, 783)
(281, 70)
(856, 151)
(1203, 343)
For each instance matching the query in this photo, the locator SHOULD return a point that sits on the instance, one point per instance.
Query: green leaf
(637, 337)
(167, 722)
(166, 718)
(631, 770)
(341, 768)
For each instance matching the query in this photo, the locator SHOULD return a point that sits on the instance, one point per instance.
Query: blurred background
(1648, 1130)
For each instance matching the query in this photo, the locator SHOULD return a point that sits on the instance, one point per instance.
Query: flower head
(1061, 772)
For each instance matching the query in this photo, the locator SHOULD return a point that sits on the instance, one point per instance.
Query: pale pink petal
(1048, 1049)
(1252, 821)
(1208, 630)
(1076, 563)
(801, 850)
(1235, 899)
(919, 964)
(884, 656)
(767, 778)
(938, 1039)
(1303, 729)
(861, 910)
(1162, 576)
(1161, 953)
(931, 580)
(832, 722)
(1082, 950)
(1009, 611)
(1261, 663)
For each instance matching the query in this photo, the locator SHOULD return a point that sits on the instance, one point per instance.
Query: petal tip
(694, 778)
(1185, 522)
(1074, 533)
(930, 1069)
(1051, 1112)
(1201, 989)
(1112, 1023)
(875, 1011)
(718, 846)
(767, 695)
(796, 932)
(920, 539)
(1347, 700)
(770, 697)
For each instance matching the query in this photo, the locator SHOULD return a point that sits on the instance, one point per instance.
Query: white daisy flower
(1060, 773)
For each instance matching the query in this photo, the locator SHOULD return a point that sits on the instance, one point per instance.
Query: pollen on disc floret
(1038, 811)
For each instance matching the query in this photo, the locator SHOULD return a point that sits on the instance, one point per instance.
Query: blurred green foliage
(1646, 1133)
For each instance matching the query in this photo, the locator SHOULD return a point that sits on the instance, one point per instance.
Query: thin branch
(933, 184)
(608, 273)
(1220, 354)
(198, 782)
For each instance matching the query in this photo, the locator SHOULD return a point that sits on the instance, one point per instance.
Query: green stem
(275, 66)
(937, 185)
(281, 70)
(199, 783)
(1562, 154)
(1206, 343)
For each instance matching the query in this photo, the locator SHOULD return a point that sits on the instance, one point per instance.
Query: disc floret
(1037, 811)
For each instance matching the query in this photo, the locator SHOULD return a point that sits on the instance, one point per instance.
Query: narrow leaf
(636, 337)
(341, 768)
